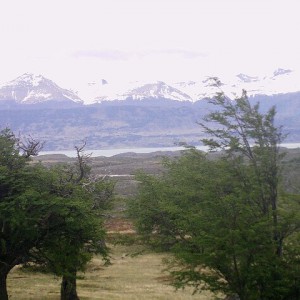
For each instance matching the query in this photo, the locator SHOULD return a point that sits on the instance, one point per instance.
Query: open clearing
(129, 277)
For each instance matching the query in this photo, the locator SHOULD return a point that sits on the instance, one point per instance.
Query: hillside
(130, 124)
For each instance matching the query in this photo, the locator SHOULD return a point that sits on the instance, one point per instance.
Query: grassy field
(129, 277)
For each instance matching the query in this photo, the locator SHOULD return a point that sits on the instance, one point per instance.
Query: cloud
(118, 55)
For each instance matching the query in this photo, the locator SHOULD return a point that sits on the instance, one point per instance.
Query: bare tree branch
(30, 146)
(82, 159)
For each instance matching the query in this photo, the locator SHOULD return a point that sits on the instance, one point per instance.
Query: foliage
(223, 219)
(28, 211)
(45, 214)
(87, 197)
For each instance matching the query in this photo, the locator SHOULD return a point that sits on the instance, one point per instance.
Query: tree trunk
(68, 287)
(3, 288)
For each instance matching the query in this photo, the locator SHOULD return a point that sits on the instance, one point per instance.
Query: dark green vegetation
(230, 223)
(49, 216)
(125, 186)
(153, 163)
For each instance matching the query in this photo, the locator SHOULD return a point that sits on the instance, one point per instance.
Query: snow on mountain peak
(104, 91)
(32, 89)
(281, 72)
(157, 90)
(28, 78)
(280, 81)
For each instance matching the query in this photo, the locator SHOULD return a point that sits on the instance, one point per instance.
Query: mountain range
(36, 89)
(280, 81)
(135, 114)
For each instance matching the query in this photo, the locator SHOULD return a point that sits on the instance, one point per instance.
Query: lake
(112, 152)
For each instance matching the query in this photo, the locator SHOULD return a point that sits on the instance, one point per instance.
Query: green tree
(223, 217)
(26, 209)
(45, 214)
(84, 236)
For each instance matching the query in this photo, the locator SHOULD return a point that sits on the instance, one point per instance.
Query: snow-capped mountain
(35, 89)
(198, 90)
(192, 91)
(102, 90)
(156, 90)
(281, 81)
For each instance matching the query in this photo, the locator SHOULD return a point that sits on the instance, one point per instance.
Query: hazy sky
(73, 41)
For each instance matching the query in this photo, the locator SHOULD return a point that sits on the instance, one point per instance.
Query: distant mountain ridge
(132, 124)
(154, 114)
(33, 89)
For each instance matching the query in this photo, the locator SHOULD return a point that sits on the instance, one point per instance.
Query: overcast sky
(71, 41)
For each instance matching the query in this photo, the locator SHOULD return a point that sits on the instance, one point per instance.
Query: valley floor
(128, 278)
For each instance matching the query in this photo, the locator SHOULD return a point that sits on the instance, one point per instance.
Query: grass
(129, 277)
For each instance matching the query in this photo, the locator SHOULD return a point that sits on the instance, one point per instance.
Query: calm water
(112, 152)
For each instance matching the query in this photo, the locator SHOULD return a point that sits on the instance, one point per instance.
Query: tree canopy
(47, 215)
(88, 197)
(222, 216)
